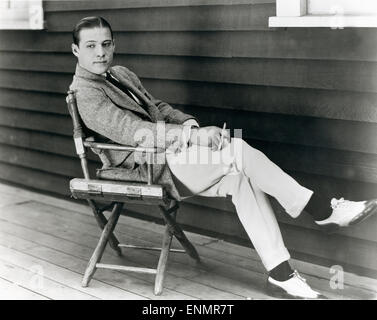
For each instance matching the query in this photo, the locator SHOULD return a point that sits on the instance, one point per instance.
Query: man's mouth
(100, 62)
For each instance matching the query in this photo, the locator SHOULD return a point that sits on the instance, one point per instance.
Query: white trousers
(247, 175)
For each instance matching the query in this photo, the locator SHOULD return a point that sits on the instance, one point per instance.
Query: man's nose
(100, 51)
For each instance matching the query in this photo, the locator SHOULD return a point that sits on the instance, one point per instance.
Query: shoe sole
(277, 292)
(368, 212)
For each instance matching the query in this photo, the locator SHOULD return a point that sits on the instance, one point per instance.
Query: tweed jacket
(111, 115)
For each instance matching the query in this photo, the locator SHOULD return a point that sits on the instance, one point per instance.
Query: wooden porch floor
(45, 244)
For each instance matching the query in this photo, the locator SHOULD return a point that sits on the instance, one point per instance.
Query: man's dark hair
(89, 23)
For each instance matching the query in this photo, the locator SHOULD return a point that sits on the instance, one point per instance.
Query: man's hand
(213, 137)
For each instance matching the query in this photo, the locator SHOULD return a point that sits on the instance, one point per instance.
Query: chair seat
(119, 174)
(120, 191)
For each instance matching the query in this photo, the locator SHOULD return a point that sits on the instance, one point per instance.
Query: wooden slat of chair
(100, 248)
(78, 136)
(119, 193)
(102, 222)
(162, 262)
(178, 233)
(130, 192)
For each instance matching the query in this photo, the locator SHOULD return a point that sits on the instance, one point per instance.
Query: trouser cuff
(301, 201)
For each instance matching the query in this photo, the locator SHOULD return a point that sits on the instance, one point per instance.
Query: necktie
(150, 109)
(120, 86)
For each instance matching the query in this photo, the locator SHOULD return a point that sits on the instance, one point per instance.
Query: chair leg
(102, 221)
(98, 252)
(179, 234)
(162, 262)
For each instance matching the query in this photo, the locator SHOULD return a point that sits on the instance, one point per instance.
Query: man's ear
(75, 50)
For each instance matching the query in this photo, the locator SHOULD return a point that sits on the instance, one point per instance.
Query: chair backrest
(81, 133)
(108, 190)
(78, 131)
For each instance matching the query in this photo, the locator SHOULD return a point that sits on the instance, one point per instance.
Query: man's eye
(90, 46)
(107, 44)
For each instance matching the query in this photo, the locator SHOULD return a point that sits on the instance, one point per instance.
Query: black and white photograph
(188, 155)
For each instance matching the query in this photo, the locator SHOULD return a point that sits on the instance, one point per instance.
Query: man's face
(95, 49)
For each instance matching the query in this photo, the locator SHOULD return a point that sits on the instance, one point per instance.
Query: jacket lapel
(153, 111)
(116, 95)
(122, 99)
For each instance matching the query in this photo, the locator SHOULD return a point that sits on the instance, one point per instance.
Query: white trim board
(334, 22)
(336, 14)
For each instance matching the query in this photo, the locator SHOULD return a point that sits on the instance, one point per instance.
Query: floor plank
(8, 199)
(182, 269)
(60, 235)
(252, 262)
(305, 267)
(84, 252)
(106, 279)
(13, 291)
(253, 282)
(62, 275)
(28, 279)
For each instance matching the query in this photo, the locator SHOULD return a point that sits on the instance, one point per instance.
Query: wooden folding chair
(117, 193)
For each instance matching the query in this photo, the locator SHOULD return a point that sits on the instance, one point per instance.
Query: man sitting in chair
(113, 103)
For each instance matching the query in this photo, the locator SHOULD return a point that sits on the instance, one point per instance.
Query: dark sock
(281, 272)
(319, 207)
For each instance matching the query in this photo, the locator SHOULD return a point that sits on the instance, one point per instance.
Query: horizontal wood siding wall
(306, 97)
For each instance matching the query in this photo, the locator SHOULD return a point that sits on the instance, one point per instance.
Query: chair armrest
(118, 147)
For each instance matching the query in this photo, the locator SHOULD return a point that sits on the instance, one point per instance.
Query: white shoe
(346, 213)
(294, 287)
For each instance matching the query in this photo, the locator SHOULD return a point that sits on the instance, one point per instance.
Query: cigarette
(222, 136)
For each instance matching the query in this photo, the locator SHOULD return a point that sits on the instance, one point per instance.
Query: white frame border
(29, 18)
(293, 13)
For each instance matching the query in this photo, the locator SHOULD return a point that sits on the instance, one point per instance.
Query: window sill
(30, 18)
(19, 25)
(325, 21)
